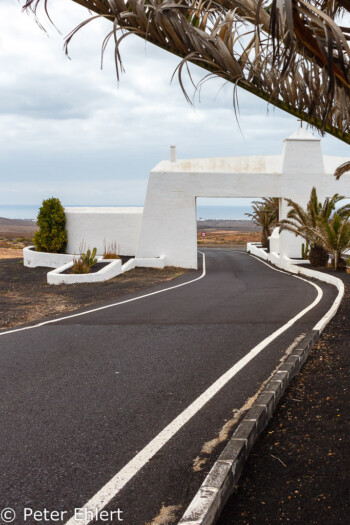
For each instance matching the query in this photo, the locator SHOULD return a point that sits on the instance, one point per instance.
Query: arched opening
(223, 223)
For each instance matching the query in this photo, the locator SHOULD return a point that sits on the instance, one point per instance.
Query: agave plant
(89, 257)
(293, 54)
(265, 215)
(310, 223)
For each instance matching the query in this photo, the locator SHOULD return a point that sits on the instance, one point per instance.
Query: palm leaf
(292, 54)
(343, 168)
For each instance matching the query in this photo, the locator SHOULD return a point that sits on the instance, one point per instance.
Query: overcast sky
(68, 129)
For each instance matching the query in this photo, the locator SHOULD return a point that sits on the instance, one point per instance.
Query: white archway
(169, 223)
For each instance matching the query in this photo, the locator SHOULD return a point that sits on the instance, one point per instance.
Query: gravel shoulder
(298, 471)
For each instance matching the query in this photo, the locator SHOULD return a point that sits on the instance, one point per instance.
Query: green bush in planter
(52, 235)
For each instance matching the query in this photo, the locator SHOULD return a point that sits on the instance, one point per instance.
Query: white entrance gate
(169, 224)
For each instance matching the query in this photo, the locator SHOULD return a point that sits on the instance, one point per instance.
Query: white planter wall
(113, 269)
(275, 241)
(33, 259)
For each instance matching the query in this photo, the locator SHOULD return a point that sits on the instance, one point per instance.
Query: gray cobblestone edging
(209, 501)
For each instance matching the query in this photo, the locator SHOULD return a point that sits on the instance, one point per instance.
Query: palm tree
(265, 215)
(335, 235)
(293, 54)
(310, 224)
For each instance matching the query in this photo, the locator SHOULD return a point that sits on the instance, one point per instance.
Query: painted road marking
(108, 305)
(115, 485)
(322, 323)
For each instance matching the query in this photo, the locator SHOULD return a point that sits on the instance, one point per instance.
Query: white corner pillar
(302, 168)
(169, 226)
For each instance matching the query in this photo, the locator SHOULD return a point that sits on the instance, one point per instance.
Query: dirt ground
(298, 471)
(25, 295)
(217, 236)
(11, 249)
(14, 235)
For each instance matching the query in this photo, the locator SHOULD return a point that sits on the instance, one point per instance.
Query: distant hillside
(236, 225)
(25, 228)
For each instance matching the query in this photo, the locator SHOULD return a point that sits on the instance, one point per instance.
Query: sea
(204, 212)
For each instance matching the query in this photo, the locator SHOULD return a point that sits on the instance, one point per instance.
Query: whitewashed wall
(97, 226)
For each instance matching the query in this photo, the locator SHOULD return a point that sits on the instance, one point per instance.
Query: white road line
(322, 323)
(111, 489)
(109, 305)
(281, 271)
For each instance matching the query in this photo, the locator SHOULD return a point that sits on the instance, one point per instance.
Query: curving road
(81, 398)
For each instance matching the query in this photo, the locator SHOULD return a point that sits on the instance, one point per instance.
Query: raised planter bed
(94, 269)
(33, 259)
(110, 268)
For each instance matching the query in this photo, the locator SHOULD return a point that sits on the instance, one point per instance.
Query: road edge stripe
(99, 308)
(208, 503)
(111, 489)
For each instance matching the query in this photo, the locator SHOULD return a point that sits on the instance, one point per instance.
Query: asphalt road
(81, 397)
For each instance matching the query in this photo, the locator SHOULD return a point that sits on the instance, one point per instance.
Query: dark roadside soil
(25, 295)
(298, 471)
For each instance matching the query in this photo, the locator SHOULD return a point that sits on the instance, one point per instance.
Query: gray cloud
(67, 128)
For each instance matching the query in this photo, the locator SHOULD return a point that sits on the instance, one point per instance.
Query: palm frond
(343, 168)
(344, 211)
(292, 54)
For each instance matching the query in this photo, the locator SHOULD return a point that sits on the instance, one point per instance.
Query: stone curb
(206, 506)
(217, 487)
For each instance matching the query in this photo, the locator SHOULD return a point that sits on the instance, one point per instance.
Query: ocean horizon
(204, 212)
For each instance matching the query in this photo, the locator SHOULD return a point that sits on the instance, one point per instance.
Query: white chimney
(172, 153)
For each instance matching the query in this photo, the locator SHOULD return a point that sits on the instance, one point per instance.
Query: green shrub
(52, 235)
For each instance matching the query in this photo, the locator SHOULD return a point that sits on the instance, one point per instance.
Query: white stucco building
(166, 228)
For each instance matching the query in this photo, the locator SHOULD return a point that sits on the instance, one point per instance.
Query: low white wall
(33, 259)
(107, 272)
(157, 262)
(275, 241)
(97, 226)
(255, 249)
